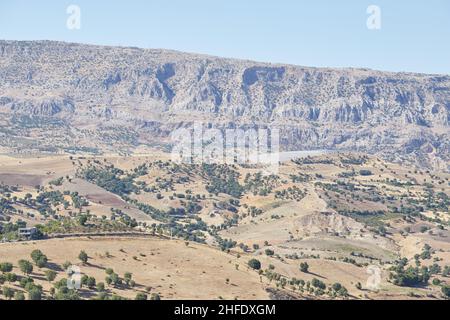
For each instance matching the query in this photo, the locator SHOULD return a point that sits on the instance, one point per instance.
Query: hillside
(190, 231)
(62, 97)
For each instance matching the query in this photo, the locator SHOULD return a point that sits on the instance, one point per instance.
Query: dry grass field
(172, 269)
(341, 214)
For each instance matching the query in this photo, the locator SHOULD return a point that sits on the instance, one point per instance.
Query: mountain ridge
(213, 56)
(96, 96)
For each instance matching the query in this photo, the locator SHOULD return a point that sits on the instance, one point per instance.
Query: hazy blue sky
(414, 35)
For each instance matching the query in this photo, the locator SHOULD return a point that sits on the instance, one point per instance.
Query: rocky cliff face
(58, 95)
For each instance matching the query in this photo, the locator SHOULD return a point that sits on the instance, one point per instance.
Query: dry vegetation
(218, 231)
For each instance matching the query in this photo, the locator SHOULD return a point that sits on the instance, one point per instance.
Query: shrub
(446, 291)
(19, 296)
(100, 287)
(24, 282)
(35, 293)
(254, 264)
(39, 258)
(66, 265)
(410, 277)
(127, 277)
(155, 296)
(83, 257)
(337, 286)
(91, 282)
(11, 277)
(141, 296)
(50, 275)
(113, 279)
(8, 293)
(6, 267)
(25, 266)
(318, 284)
(343, 292)
(304, 267)
(365, 172)
(109, 271)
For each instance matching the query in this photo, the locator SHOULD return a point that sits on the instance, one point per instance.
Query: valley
(200, 231)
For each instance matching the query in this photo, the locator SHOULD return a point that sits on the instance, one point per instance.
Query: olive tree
(25, 266)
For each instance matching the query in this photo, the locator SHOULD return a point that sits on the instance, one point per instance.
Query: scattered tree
(50, 275)
(6, 267)
(141, 296)
(8, 293)
(254, 264)
(304, 267)
(25, 266)
(39, 258)
(19, 296)
(100, 287)
(127, 277)
(83, 257)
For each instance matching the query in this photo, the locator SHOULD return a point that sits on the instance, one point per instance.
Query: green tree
(84, 280)
(83, 257)
(65, 293)
(127, 277)
(39, 258)
(102, 296)
(25, 266)
(155, 296)
(61, 283)
(318, 284)
(50, 275)
(115, 279)
(343, 292)
(35, 293)
(90, 283)
(6, 267)
(254, 264)
(11, 277)
(304, 267)
(8, 293)
(82, 220)
(19, 296)
(337, 286)
(25, 280)
(100, 287)
(141, 296)
(66, 265)
(109, 271)
(446, 271)
(446, 291)
(36, 254)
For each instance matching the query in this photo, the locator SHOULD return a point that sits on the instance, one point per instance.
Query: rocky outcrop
(398, 115)
(46, 107)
